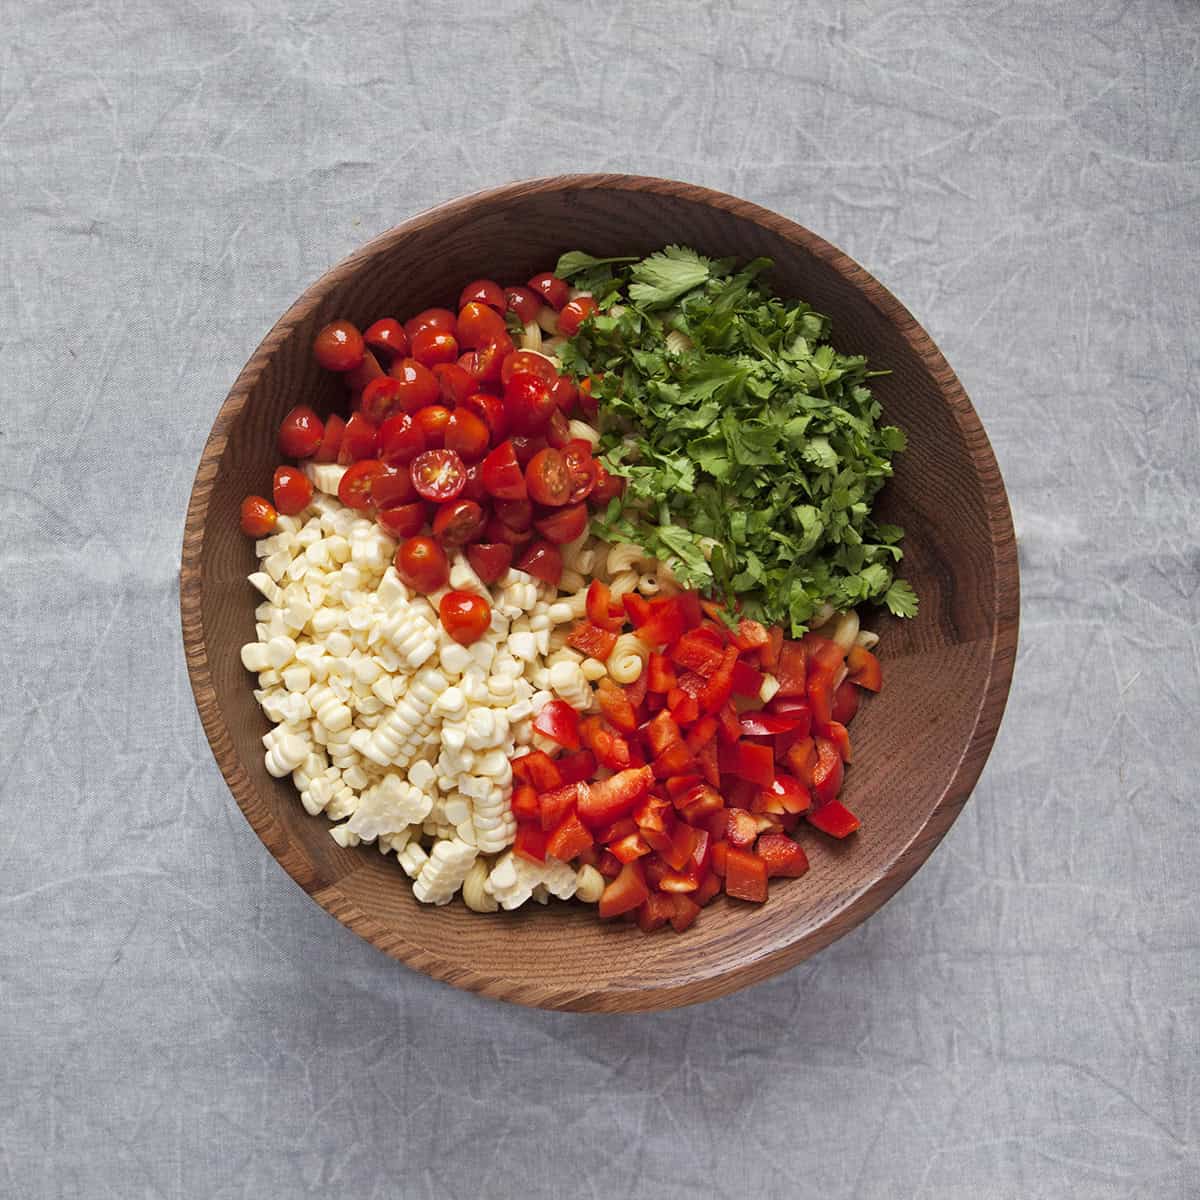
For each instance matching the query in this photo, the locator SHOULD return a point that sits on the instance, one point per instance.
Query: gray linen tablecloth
(177, 1019)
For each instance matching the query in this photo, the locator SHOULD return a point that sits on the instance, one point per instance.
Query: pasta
(578, 602)
(628, 658)
(573, 581)
(626, 581)
(531, 339)
(623, 556)
(648, 585)
(844, 630)
(474, 892)
(547, 318)
(581, 429)
(866, 639)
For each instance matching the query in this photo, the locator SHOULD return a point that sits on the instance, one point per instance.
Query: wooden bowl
(920, 744)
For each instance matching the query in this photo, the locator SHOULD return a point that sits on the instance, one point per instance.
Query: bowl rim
(857, 905)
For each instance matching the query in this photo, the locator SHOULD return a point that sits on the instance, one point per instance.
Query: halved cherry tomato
(454, 384)
(354, 490)
(502, 476)
(422, 564)
(527, 402)
(484, 365)
(339, 346)
(496, 531)
(366, 370)
(547, 479)
(526, 447)
(403, 520)
(475, 489)
(565, 393)
(331, 443)
(483, 291)
(400, 439)
(489, 560)
(478, 325)
(558, 430)
(441, 319)
(583, 468)
(360, 439)
(557, 720)
(530, 361)
(438, 475)
(523, 302)
(466, 435)
(418, 384)
(432, 421)
(574, 313)
(387, 334)
(458, 522)
(465, 616)
(490, 410)
(257, 517)
(608, 486)
(381, 398)
(543, 561)
(292, 489)
(300, 433)
(431, 346)
(565, 525)
(516, 514)
(553, 290)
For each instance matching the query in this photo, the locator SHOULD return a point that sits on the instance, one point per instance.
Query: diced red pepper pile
(704, 786)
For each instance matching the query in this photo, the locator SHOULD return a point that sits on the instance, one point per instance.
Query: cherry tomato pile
(455, 439)
(705, 792)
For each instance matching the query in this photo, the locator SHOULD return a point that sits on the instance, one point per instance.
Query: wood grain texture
(920, 745)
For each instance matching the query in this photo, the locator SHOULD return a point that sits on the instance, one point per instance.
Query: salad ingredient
(554, 291)
(458, 522)
(387, 335)
(339, 346)
(483, 291)
(357, 483)
(438, 475)
(292, 490)
(301, 433)
(258, 517)
(421, 563)
(465, 616)
(547, 478)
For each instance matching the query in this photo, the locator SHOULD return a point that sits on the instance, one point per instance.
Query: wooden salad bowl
(919, 745)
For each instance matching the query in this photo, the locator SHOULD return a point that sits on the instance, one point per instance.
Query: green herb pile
(751, 447)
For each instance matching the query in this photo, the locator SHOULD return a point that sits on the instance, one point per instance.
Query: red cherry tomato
(583, 468)
(432, 422)
(565, 393)
(502, 475)
(293, 490)
(465, 616)
(387, 334)
(454, 384)
(516, 514)
(528, 360)
(403, 521)
(421, 564)
(478, 325)
(543, 561)
(489, 560)
(360, 439)
(366, 370)
(525, 448)
(484, 365)
(355, 488)
(432, 346)
(547, 479)
(300, 433)
(438, 475)
(490, 410)
(523, 302)
(339, 346)
(552, 289)
(565, 525)
(391, 487)
(331, 443)
(607, 486)
(474, 489)
(441, 319)
(497, 531)
(418, 384)
(381, 398)
(400, 439)
(257, 517)
(527, 402)
(467, 435)
(483, 291)
(574, 313)
(458, 522)
(558, 430)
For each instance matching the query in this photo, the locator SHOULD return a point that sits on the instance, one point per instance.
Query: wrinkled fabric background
(178, 1020)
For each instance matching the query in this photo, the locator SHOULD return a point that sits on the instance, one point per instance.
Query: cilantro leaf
(901, 599)
(663, 277)
(574, 261)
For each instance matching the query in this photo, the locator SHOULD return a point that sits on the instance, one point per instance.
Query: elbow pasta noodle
(821, 616)
(628, 658)
(844, 630)
(867, 639)
(573, 581)
(475, 895)
(581, 429)
(623, 556)
(531, 339)
(558, 639)
(648, 584)
(626, 581)
(578, 602)
(547, 318)
(580, 555)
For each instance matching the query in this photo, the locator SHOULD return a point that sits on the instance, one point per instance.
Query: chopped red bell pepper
(625, 892)
(609, 747)
(659, 674)
(684, 840)
(792, 795)
(698, 803)
(637, 609)
(679, 881)
(707, 759)
(833, 818)
(720, 857)
(729, 726)
(839, 735)
(745, 876)
(608, 865)
(662, 733)
(719, 688)
(700, 734)
(845, 702)
(768, 655)
(701, 851)
(592, 641)
(674, 760)
(678, 784)
(827, 772)
(616, 831)
(684, 708)
(709, 889)
(569, 840)
(615, 706)
(797, 711)
(524, 803)
(749, 635)
(666, 623)
(782, 856)
(636, 692)
(608, 800)
(686, 910)
(654, 912)
(689, 608)
(692, 683)
(824, 661)
(558, 721)
(791, 670)
(760, 724)
(538, 770)
(801, 758)
(631, 846)
(653, 869)
(530, 842)
(600, 608)
(747, 680)
(574, 768)
(553, 806)
(865, 669)
(652, 813)
(741, 828)
(748, 761)
(699, 650)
